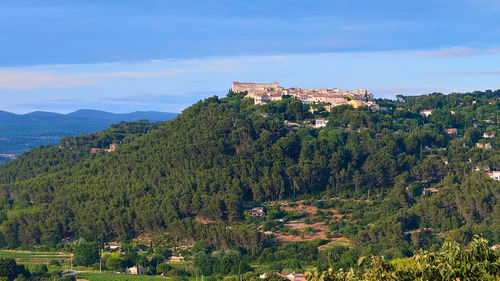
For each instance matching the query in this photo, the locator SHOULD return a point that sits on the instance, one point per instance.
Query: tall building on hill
(254, 87)
(263, 93)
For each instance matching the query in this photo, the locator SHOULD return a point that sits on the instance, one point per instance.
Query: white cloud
(452, 52)
(249, 67)
(479, 72)
(459, 52)
(390, 92)
(65, 76)
(26, 80)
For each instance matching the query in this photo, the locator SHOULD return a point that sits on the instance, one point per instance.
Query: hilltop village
(265, 92)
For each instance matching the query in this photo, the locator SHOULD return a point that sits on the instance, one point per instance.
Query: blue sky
(123, 56)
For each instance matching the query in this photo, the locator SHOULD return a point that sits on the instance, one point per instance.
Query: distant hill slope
(19, 133)
(151, 116)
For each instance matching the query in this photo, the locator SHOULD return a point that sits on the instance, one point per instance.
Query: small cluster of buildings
(485, 145)
(495, 175)
(266, 92)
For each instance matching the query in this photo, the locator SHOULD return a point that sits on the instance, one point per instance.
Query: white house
(495, 175)
(135, 270)
(426, 112)
(294, 276)
(321, 123)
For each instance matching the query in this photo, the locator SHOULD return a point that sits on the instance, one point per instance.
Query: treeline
(460, 209)
(223, 153)
(71, 151)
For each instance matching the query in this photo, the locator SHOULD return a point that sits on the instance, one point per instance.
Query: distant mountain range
(21, 132)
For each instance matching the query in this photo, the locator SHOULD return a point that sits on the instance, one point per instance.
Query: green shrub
(39, 269)
(55, 263)
(163, 268)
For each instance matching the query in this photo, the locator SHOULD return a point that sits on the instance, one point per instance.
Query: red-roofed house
(275, 97)
(261, 98)
(451, 131)
(495, 175)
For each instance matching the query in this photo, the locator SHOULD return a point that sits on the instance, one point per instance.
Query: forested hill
(21, 132)
(222, 155)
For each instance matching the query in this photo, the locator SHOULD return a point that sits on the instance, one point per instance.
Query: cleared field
(336, 242)
(27, 257)
(90, 276)
(316, 230)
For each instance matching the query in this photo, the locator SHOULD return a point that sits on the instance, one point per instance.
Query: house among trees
(257, 212)
(293, 276)
(484, 168)
(112, 147)
(495, 175)
(113, 245)
(426, 112)
(321, 123)
(430, 190)
(135, 270)
(451, 131)
(488, 135)
(483, 145)
(67, 240)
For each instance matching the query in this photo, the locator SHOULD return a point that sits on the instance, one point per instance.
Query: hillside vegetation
(21, 132)
(191, 178)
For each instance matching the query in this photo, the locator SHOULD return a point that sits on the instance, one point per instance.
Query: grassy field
(27, 257)
(336, 242)
(118, 277)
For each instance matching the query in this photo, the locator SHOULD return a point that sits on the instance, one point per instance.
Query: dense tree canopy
(223, 154)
